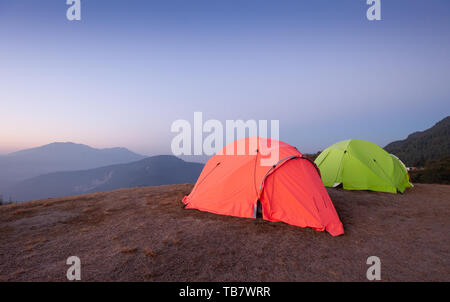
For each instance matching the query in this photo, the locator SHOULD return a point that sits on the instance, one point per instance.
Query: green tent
(362, 165)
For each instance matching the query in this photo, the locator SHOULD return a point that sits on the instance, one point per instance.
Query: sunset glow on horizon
(126, 71)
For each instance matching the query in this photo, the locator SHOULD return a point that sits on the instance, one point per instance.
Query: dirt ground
(144, 234)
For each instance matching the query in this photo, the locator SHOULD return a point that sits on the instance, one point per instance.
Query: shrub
(437, 171)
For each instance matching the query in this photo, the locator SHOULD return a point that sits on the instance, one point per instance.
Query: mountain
(55, 157)
(156, 170)
(420, 147)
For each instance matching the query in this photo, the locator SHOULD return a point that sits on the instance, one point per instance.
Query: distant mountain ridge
(419, 147)
(151, 171)
(57, 147)
(54, 157)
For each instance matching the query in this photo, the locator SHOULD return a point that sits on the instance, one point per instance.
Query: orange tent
(290, 190)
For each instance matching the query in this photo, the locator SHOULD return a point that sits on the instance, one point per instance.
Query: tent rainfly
(290, 191)
(361, 165)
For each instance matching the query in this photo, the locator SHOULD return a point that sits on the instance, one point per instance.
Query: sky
(128, 69)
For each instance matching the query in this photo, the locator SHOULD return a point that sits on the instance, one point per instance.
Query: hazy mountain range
(423, 146)
(151, 171)
(61, 169)
(21, 165)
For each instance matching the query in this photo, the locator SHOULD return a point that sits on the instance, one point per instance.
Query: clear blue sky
(128, 69)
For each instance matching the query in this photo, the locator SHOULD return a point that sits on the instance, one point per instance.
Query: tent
(361, 165)
(290, 190)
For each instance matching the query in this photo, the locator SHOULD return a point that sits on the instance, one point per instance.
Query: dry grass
(150, 253)
(129, 250)
(144, 234)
